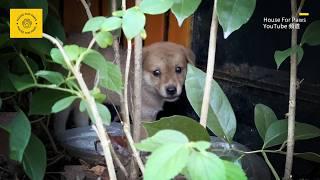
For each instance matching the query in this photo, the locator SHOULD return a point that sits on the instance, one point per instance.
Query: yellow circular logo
(27, 23)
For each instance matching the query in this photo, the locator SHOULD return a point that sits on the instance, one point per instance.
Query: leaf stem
(274, 172)
(28, 67)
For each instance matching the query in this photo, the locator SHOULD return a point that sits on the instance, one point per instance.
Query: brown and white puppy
(164, 73)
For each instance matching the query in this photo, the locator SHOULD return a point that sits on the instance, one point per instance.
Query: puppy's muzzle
(171, 91)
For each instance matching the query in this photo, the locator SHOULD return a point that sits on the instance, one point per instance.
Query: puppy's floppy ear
(191, 58)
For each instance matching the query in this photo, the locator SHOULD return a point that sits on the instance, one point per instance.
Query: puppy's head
(165, 68)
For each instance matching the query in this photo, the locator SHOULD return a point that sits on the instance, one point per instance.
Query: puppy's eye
(156, 73)
(178, 70)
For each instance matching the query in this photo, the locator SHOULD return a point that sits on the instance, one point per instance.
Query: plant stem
(274, 172)
(126, 120)
(92, 107)
(87, 8)
(210, 66)
(292, 96)
(28, 67)
(58, 88)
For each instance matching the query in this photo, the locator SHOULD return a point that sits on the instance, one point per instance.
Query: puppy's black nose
(171, 90)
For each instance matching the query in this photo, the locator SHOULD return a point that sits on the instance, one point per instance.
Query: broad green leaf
(102, 109)
(133, 22)
(20, 130)
(278, 131)
(40, 103)
(204, 165)
(281, 56)
(5, 82)
(310, 156)
(234, 171)
(54, 27)
(94, 24)
(155, 7)
(104, 39)
(104, 114)
(201, 145)
(57, 56)
(21, 82)
(118, 13)
(161, 138)
(51, 76)
(263, 118)
(109, 74)
(311, 35)
(63, 104)
(98, 95)
(20, 66)
(192, 129)
(73, 51)
(184, 9)
(232, 14)
(221, 118)
(35, 159)
(143, 34)
(166, 162)
(111, 23)
(38, 46)
(43, 4)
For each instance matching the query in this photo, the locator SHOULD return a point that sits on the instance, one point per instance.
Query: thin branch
(292, 96)
(274, 172)
(126, 122)
(28, 67)
(92, 107)
(53, 144)
(87, 8)
(300, 7)
(119, 163)
(210, 66)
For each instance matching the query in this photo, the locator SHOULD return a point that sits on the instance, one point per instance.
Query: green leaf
(281, 56)
(94, 24)
(111, 23)
(118, 13)
(133, 22)
(43, 4)
(98, 96)
(155, 7)
(73, 51)
(63, 104)
(166, 162)
(311, 35)
(54, 27)
(184, 9)
(263, 118)
(35, 159)
(5, 82)
(109, 74)
(278, 131)
(104, 114)
(204, 165)
(201, 145)
(161, 138)
(57, 56)
(51, 76)
(20, 130)
(221, 118)
(143, 34)
(104, 39)
(234, 171)
(232, 14)
(310, 156)
(41, 104)
(192, 129)
(21, 82)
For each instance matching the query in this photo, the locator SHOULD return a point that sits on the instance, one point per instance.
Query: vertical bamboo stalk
(210, 66)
